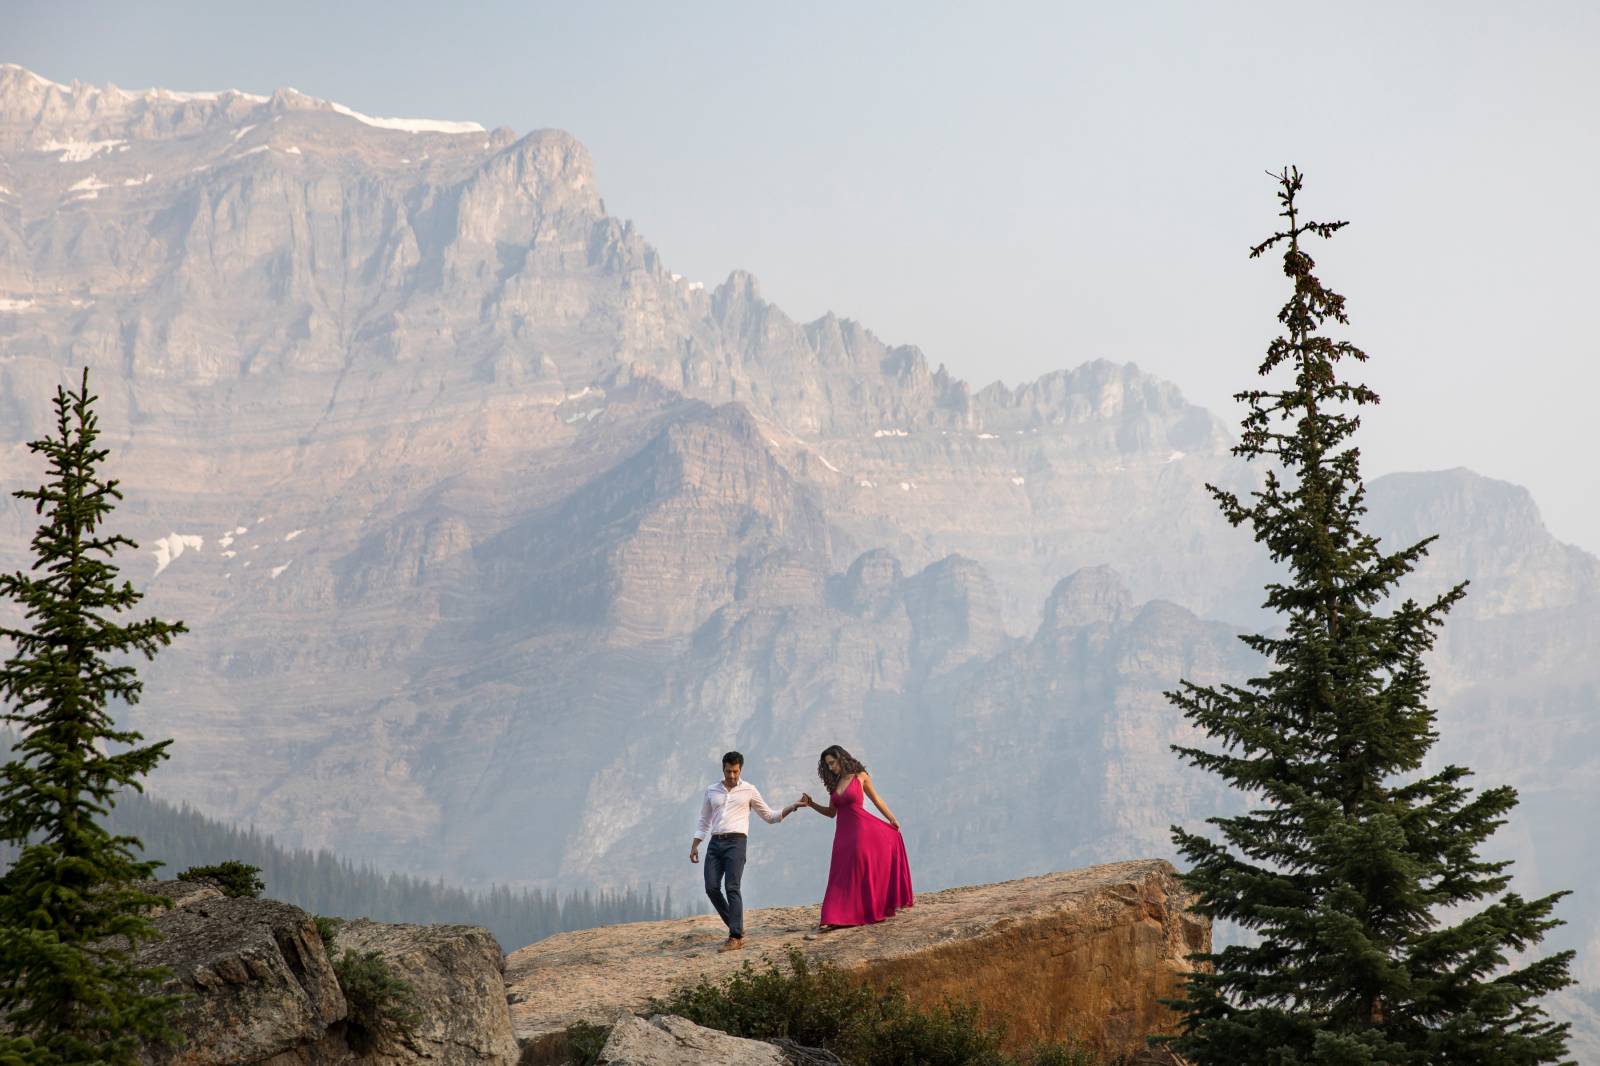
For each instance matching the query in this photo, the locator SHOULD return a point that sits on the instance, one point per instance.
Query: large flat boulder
(1084, 954)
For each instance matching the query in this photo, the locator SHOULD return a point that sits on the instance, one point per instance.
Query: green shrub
(379, 1001)
(585, 1041)
(816, 1004)
(235, 878)
(1061, 1055)
(327, 929)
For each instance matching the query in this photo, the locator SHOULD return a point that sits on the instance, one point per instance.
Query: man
(725, 815)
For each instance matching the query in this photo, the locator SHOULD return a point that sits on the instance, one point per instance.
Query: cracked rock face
(257, 979)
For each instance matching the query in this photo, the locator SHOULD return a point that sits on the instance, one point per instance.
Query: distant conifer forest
(322, 883)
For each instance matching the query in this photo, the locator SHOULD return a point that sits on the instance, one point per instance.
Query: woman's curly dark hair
(848, 764)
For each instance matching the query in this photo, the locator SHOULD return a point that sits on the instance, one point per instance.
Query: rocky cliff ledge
(1083, 953)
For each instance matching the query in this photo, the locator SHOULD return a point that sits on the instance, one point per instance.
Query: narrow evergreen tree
(70, 919)
(1353, 872)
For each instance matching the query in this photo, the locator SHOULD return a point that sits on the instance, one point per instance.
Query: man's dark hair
(734, 758)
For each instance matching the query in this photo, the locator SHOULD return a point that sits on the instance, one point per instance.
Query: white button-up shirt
(725, 811)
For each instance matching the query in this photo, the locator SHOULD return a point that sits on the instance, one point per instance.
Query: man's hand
(804, 800)
(694, 852)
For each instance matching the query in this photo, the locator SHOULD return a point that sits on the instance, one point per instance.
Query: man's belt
(726, 836)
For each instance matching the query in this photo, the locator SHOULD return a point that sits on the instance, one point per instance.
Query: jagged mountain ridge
(498, 540)
(373, 268)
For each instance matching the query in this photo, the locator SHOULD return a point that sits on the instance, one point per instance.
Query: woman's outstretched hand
(804, 800)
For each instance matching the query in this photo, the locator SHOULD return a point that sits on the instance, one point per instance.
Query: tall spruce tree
(1356, 875)
(70, 918)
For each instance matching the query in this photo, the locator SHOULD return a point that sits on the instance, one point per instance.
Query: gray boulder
(457, 975)
(667, 1040)
(257, 981)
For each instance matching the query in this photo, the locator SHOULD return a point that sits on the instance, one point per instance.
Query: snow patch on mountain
(81, 151)
(408, 125)
(173, 545)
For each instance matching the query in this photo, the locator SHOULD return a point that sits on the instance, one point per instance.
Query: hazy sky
(1017, 188)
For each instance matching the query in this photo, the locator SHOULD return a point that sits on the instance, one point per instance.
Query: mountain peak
(18, 80)
(49, 107)
(1092, 595)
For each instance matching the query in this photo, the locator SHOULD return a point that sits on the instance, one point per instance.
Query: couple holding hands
(869, 876)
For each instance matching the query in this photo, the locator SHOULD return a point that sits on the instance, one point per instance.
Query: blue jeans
(724, 865)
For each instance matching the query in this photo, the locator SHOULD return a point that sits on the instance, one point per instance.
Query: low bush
(585, 1041)
(327, 930)
(818, 1005)
(236, 879)
(379, 1001)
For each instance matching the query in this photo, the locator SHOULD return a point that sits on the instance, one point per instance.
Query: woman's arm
(806, 799)
(872, 794)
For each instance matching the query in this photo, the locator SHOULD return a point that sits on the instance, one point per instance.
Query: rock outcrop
(667, 1040)
(1085, 954)
(258, 984)
(456, 973)
(261, 990)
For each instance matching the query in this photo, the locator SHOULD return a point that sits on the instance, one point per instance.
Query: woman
(869, 877)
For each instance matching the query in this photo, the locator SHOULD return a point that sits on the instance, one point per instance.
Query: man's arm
(700, 828)
(759, 805)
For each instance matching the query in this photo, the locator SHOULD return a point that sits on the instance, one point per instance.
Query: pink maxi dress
(869, 877)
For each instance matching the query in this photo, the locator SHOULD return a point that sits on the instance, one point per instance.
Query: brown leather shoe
(733, 943)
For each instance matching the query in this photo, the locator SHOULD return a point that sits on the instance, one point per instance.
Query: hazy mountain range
(493, 532)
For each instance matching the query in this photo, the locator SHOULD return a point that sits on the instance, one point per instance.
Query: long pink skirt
(870, 877)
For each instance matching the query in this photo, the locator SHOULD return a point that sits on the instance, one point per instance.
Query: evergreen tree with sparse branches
(1377, 934)
(71, 919)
